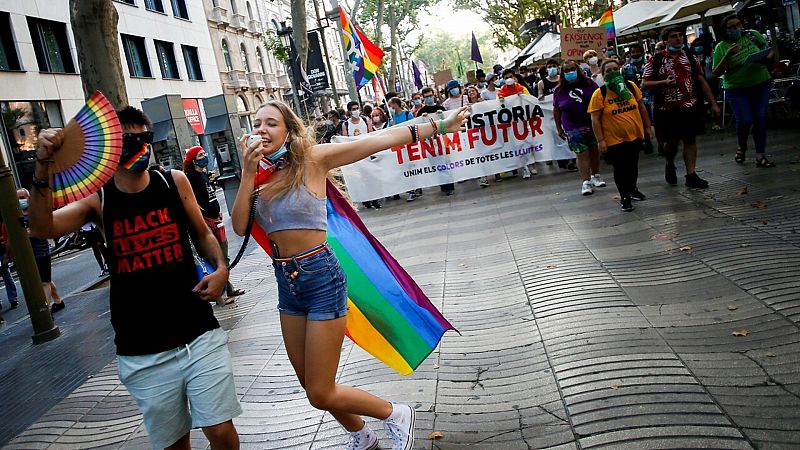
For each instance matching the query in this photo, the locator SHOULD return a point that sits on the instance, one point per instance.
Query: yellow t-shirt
(621, 120)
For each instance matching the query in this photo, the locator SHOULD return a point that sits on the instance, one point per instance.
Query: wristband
(435, 128)
(413, 133)
(441, 127)
(40, 184)
(416, 133)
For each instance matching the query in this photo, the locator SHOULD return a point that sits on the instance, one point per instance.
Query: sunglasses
(145, 137)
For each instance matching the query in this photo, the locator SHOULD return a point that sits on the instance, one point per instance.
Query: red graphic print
(145, 241)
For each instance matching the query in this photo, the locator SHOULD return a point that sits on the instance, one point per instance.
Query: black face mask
(136, 150)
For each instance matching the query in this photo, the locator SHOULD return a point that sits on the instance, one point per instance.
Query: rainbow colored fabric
(389, 316)
(607, 21)
(363, 56)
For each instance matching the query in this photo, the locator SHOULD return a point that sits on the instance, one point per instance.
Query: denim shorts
(187, 387)
(315, 287)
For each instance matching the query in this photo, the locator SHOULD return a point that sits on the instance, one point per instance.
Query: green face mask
(615, 81)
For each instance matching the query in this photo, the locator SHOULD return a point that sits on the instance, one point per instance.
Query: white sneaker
(597, 181)
(484, 182)
(586, 188)
(411, 197)
(526, 173)
(400, 426)
(365, 439)
(534, 171)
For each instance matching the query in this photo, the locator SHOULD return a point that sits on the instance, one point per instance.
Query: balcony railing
(256, 81)
(255, 27)
(220, 15)
(238, 80)
(238, 21)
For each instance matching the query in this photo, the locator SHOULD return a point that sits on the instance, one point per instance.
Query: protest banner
(575, 41)
(500, 136)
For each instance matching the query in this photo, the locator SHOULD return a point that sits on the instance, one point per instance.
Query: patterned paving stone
(581, 327)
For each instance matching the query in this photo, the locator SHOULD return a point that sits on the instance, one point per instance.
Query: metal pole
(327, 56)
(42, 321)
(348, 73)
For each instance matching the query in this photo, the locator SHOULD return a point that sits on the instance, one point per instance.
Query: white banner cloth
(501, 135)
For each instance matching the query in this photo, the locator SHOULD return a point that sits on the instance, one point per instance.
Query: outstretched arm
(335, 155)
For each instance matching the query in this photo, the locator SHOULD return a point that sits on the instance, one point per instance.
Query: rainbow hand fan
(90, 152)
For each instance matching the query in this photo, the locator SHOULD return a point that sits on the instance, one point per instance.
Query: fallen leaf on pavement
(741, 332)
(686, 248)
(759, 204)
(765, 222)
(435, 435)
(733, 307)
(614, 387)
(771, 354)
(742, 190)
(616, 197)
(744, 245)
(662, 236)
(435, 366)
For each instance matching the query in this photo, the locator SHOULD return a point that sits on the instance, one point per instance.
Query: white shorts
(183, 388)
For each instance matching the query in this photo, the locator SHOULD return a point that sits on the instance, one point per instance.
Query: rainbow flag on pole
(607, 21)
(363, 56)
(389, 317)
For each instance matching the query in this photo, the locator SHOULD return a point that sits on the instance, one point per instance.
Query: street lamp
(303, 101)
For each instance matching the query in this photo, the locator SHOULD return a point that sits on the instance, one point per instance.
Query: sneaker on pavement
(669, 174)
(57, 307)
(526, 173)
(411, 197)
(638, 196)
(14, 304)
(597, 181)
(694, 181)
(484, 182)
(400, 426)
(586, 188)
(365, 439)
(626, 205)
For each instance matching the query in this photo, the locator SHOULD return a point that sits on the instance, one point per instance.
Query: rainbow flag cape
(389, 317)
(607, 21)
(363, 56)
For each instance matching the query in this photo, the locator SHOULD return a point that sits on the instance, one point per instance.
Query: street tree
(441, 46)
(94, 25)
(507, 17)
(300, 29)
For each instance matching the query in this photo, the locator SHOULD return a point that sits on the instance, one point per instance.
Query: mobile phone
(253, 139)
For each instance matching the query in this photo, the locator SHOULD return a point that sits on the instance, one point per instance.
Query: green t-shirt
(738, 74)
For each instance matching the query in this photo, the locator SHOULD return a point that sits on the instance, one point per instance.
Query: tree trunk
(94, 25)
(379, 25)
(393, 67)
(300, 30)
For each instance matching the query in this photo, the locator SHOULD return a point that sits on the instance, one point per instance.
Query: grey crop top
(300, 209)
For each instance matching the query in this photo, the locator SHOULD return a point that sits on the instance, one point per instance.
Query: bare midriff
(292, 242)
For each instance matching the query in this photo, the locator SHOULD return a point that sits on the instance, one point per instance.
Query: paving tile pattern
(580, 326)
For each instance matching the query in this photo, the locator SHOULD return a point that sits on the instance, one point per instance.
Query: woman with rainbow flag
(312, 287)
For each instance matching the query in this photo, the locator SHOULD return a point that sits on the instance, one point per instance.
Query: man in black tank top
(169, 344)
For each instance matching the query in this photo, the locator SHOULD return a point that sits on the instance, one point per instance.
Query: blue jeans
(749, 106)
(11, 288)
(314, 287)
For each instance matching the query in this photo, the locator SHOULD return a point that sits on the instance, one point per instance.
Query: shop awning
(641, 13)
(547, 46)
(163, 131)
(216, 124)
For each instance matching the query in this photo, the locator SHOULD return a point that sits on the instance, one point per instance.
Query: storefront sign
(191, 109)
(499, 137)
(575, 41)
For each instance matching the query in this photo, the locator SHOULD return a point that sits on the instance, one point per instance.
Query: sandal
(764, 162)
(739, 158)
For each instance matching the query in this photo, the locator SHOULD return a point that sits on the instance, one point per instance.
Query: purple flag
(476, 52)
(417, 75)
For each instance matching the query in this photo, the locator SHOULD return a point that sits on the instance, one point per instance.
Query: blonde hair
(299, 142)
(588, 54)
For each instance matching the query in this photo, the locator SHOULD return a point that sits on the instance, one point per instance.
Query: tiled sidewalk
(581, 326)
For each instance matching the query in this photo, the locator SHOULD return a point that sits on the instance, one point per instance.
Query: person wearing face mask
(548, 84)
(511, 86)
(619, 119)
(455, 98)
(416, 103)
(591, 58)
(5, 274)
(632, 71)
(399, 113)
(195, 166)
(678, 85)
(357, 124)
(574, 124)
(429, 103)
(490, 93)
(312, 287)
(171, 351)
(740, 59)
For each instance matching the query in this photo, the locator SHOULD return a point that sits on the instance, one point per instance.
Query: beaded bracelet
(435, 128)
(416, 133)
